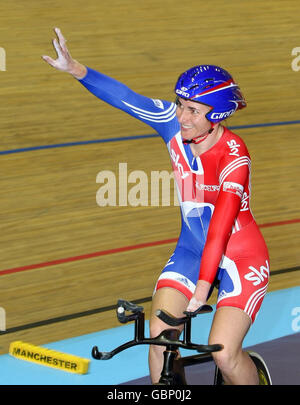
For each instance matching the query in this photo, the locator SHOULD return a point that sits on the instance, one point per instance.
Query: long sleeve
(158, 114)
(226, 211)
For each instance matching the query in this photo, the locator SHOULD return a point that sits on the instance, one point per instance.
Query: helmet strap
(196, 140)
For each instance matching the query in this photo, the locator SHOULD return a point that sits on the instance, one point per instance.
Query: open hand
(64, 61)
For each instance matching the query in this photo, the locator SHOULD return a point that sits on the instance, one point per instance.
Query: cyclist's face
(192, 118)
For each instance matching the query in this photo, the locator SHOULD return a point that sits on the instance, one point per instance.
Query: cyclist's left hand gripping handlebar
(172, 321)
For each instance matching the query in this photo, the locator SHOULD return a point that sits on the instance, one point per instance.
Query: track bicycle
(173, 366)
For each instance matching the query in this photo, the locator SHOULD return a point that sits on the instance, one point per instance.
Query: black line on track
(102, 309)
(68, 317)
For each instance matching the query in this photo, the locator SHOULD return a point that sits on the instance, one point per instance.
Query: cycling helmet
(213, 86)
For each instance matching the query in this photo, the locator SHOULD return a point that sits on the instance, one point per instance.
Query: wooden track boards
(48, 200)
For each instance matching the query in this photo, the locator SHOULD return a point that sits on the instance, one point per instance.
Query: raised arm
(159, 114)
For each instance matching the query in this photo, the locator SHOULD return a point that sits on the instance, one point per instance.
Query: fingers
(64, 61)
(59, 34)
(61, 38)
(57, 47)
(49, 60)
(194, 304)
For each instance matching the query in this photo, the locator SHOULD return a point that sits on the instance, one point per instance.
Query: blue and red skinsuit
(219, 236)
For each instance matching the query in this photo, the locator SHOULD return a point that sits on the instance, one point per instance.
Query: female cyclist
(219, 237)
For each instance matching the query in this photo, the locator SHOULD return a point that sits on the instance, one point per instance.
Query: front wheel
(262, 370)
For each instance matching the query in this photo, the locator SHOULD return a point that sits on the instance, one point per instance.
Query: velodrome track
(65, 260)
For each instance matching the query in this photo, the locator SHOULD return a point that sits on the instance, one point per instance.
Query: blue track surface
(279, 316)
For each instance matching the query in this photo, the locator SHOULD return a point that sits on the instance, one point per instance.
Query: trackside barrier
(50, 358)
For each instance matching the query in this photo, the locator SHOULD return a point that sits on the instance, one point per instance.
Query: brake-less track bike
(173, 367)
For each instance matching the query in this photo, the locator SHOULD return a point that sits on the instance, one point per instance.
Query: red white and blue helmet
(213, 86)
